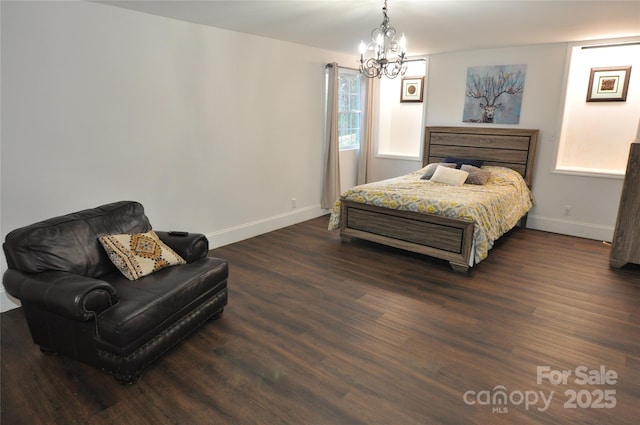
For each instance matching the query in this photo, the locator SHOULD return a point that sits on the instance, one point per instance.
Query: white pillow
(450, 176)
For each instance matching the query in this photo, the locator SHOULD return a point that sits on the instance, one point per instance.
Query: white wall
(213, 131)
(594, 200)
(348, 168)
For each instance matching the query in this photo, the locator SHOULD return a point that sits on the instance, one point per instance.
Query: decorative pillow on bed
(450, 176)
(461, 161)
(139, 254)
(431, 168)
(476, 175)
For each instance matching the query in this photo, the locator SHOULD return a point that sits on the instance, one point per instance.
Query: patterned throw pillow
(476, 175)
(139, 254)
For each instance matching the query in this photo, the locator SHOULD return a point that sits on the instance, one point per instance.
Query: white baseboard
(224, 237)
(572, 228)
(259, 227)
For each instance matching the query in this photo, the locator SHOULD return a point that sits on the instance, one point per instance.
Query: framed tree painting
(493, 94)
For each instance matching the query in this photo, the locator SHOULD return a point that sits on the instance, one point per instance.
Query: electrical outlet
(567, 210)
(293, 203)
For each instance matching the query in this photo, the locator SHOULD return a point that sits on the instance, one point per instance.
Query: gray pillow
(431, 168)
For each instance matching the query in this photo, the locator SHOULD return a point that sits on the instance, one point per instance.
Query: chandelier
(374, 57)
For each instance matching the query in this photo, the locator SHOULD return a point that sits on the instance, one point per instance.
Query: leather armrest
(67, 294)
(191, 247)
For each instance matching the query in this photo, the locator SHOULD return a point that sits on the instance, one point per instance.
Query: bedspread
(495, 207)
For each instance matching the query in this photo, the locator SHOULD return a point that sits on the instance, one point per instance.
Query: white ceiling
(431, 26)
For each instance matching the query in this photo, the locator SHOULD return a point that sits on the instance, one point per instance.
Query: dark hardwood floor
(323, 332)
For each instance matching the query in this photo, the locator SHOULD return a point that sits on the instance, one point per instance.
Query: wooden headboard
(506, 147)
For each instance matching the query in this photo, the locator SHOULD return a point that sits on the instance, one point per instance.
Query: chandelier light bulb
(362, 48)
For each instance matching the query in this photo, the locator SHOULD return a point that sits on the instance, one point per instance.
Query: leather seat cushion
(152, 303)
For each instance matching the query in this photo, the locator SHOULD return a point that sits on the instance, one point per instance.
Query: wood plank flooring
(323, 332)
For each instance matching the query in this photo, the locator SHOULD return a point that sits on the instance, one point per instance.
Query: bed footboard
(446, 238)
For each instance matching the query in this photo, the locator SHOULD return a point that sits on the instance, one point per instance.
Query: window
(349, 109)
(595, 136)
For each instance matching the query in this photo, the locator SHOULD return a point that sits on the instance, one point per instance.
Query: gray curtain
(366, 141)
(331, 185)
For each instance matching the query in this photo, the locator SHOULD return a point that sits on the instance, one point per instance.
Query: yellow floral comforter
(495, 207)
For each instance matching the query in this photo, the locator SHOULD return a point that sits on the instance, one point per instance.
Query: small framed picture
(411, 89)
(608, 84)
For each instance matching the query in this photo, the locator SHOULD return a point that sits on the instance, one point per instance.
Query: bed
(507, 152)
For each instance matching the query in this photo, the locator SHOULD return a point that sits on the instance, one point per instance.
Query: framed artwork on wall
(608, 84)
(411, 89)
(493, 94)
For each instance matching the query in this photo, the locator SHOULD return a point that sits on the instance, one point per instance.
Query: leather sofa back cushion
(70, 242)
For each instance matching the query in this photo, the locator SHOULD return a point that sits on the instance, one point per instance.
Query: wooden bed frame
(437, 236)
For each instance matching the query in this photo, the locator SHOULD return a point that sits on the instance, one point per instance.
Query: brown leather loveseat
(78, 303)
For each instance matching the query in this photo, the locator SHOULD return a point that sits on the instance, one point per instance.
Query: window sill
(590, 172)
(400, 156)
